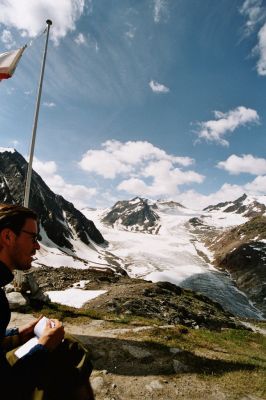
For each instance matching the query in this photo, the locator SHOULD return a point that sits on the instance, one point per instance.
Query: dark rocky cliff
(59, 218)
(242, 252)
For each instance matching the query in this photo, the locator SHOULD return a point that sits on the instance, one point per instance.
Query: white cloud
(29, 16)
(134, 186)
(103, 163)
(227, 192)
(158, 87)
(160, 10)
(261, 48)
(79, 195)
(124, 158)
(136, 152)
(245, 164)
(255, 13)
(14, 142)
(45, 168)
(257, 186)
(214, 130)
(130, 33)
(148, 170)
(49, 104)
(80, 39)
(165, 180)
(198, 201)
(7, 39)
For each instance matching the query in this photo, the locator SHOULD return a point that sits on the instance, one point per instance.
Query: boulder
(16, 300)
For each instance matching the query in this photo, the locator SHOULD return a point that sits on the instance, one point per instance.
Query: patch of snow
(73, 297)
(8, 149)
(135, 201)
(83, 257)
(220, 219)
(201, 247)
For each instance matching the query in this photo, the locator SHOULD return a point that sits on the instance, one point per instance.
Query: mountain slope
(242, 252)
(69, 238)
(58, 217)
(133, 215)
(247, 206)
(177, 253)
(174, 249)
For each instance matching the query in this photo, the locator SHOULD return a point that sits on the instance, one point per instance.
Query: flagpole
(19, 274)
(34, 129)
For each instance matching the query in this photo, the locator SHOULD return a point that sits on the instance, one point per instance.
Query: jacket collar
(6, 275)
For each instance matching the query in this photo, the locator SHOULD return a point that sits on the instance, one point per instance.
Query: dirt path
(127, 368)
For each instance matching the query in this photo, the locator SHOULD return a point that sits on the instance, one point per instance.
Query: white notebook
(38, 330)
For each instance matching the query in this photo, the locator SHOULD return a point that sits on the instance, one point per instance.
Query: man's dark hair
(13, 216)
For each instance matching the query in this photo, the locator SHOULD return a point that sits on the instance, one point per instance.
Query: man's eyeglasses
(36, 237)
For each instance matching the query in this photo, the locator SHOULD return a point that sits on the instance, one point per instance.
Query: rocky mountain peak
(134, 215)
(59, 218)
(170, 204)
(245, 205)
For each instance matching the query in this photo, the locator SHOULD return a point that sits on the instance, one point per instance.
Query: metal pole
(19, 274)
(34, 129)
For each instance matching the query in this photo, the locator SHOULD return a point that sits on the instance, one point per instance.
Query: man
(48, 371)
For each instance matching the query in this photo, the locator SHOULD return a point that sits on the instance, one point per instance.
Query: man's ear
(6, 236)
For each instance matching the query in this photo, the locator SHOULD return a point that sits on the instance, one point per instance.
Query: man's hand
(53, 334)
(26, 332)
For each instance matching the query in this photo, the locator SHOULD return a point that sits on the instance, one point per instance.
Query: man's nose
(37, 245)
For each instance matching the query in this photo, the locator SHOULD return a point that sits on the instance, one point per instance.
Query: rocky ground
(241, 251)
(155, 362)
(125, 296)
(156, 340)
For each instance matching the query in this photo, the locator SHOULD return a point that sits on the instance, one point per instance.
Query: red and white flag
(8, 62)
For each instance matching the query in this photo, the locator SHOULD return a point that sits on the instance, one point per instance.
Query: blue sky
(156, 98)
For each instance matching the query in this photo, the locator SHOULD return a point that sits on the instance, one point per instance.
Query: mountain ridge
(49, 206)
(145, 239)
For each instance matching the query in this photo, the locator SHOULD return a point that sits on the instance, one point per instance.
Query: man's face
(25, 246)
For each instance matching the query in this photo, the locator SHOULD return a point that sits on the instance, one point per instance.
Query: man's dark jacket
(17, 381)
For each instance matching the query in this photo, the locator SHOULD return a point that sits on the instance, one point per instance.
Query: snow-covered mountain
(178, 249)
(68, 237)
(154, 240)
(245, 205)
(136, 215)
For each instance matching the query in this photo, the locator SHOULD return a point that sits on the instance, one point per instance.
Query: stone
(9, 288)
(16, 300)
(154, 385)
(179, 366)
(175, 350)
(97, 384)
(136, 352)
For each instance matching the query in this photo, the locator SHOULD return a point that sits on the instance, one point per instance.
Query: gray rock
(16, 300)
(97, 384)
(154, 385)
(136, 352)
(9, 288)
(175, 350)
(179, 366)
